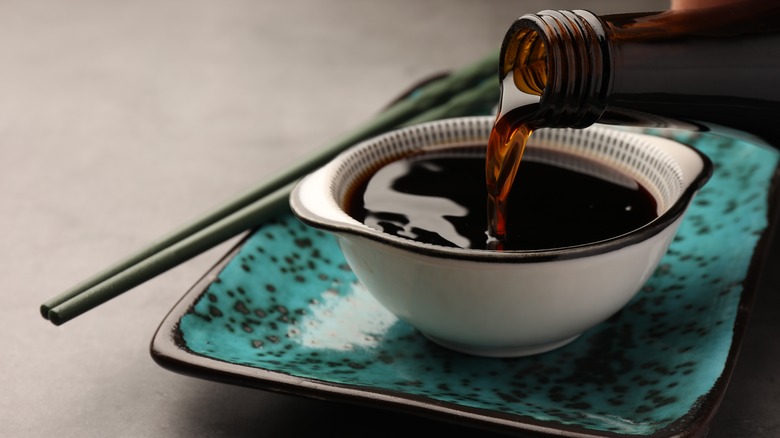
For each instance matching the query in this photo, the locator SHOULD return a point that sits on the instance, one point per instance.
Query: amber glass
(701, 69)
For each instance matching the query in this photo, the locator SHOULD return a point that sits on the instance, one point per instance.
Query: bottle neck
(693, 69)
(563, 58)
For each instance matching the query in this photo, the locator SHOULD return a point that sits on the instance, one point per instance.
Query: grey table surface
(121, 120)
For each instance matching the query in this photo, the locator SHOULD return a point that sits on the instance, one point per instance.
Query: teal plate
(283, 312)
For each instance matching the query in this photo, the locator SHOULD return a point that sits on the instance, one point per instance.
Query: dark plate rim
(168, 350)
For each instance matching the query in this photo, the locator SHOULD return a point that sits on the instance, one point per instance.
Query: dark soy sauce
(523, 78)
(440, 199)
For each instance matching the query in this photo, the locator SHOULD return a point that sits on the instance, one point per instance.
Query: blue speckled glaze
(287, 302)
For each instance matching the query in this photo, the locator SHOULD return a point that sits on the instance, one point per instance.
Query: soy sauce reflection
(440, 199)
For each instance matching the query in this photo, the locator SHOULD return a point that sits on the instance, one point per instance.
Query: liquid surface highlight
(440, 199)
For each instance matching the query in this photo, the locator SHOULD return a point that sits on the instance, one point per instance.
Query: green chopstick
(469, 91)
(478, 100)
(167, 258)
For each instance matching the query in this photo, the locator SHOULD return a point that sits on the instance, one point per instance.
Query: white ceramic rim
(321, 209)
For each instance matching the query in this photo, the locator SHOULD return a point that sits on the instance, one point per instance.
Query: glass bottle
(712, 68)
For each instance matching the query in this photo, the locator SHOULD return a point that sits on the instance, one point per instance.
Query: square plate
(283, 312)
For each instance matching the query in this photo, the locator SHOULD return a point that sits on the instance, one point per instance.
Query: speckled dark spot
(240, 307)
(303, 243)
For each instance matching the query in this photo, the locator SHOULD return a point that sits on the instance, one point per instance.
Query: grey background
(120, 120)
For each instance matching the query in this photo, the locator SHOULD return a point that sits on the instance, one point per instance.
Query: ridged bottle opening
(574, 81)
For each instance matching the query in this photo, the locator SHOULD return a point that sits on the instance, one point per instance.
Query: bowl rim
(351, 227)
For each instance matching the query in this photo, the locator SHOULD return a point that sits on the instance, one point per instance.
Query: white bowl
(505, 303)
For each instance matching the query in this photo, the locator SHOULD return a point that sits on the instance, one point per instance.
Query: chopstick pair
(470, 91)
